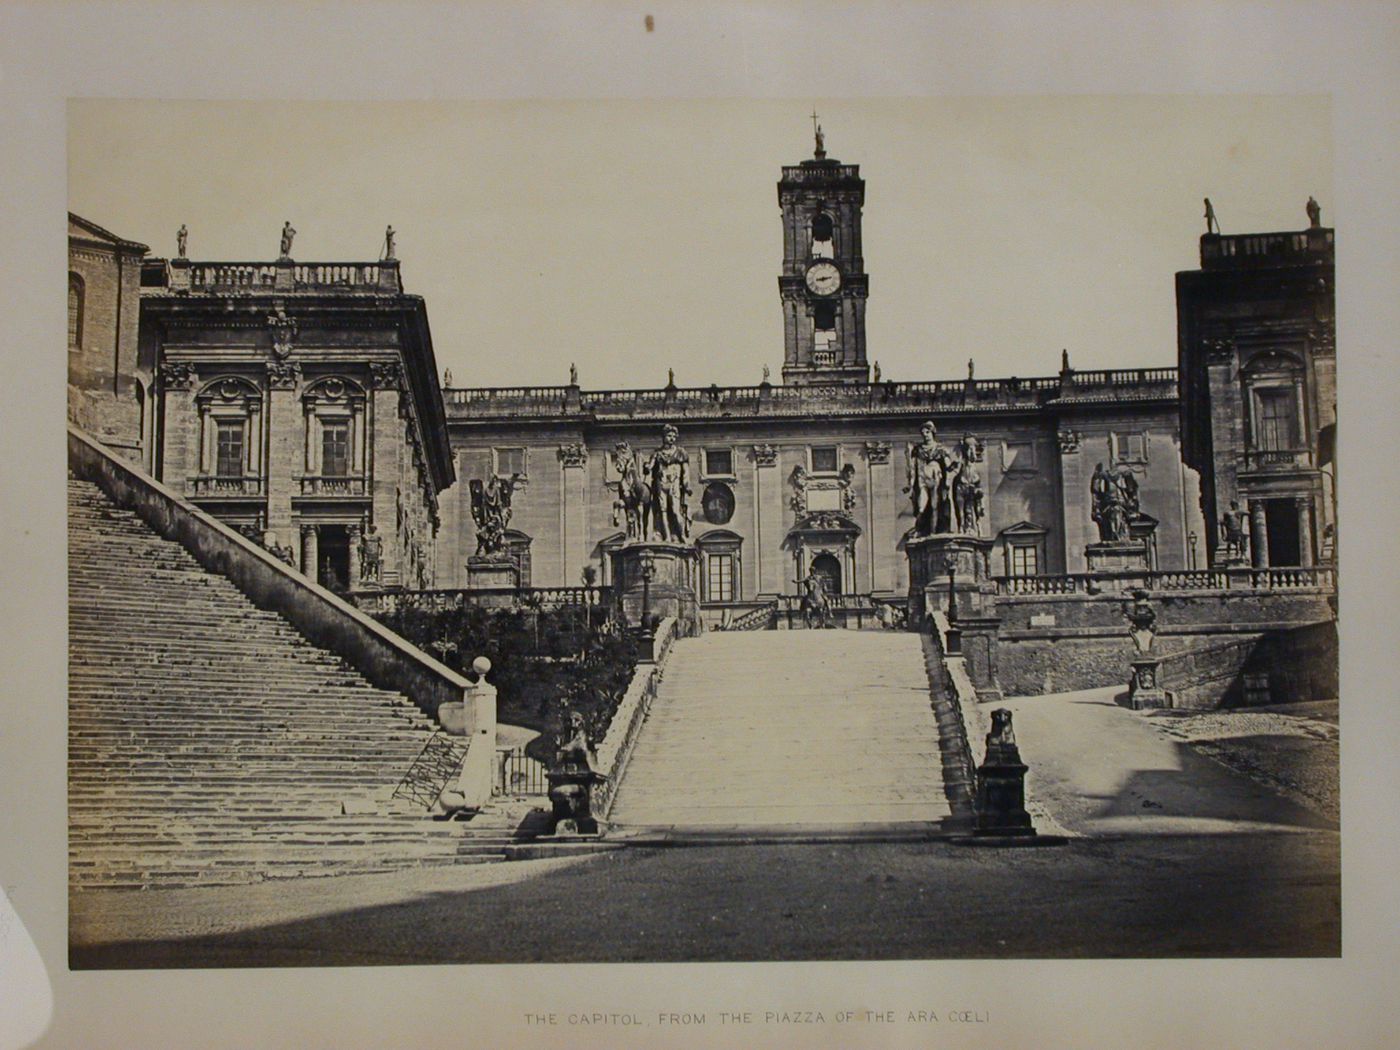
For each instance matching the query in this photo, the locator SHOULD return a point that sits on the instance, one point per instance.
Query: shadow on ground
(1137, 896)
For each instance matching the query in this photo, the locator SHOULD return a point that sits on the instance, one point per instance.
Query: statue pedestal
(1145, 689)
(670, 590)
(1117, 556)
(493, 582)
(972, 592)
(929, 559)
(1001, 788)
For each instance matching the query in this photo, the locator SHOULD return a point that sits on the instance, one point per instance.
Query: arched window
(335, 437)
(1274, 396)
(230, 460)
(75, 312)
(823, 247)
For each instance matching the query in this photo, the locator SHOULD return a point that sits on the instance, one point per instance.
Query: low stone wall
(1296, 665)
(384, 658)
(632, 709)
(1059, 643)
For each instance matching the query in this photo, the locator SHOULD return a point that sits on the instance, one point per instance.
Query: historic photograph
(569, 531)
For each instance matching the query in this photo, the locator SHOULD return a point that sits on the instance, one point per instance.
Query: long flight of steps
(210, 743)
(787, 732)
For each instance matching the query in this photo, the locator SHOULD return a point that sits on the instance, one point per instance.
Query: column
(1305, 531)
(206, 441)
(353, 533)
(309, 551)
(771, 568)
(1258, 534)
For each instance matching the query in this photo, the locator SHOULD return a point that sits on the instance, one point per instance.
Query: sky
(636, 236)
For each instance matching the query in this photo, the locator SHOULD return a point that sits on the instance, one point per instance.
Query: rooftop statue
(389, 242)
(1314, 213)
(287, 234)
(182, 236)
(1211, 225)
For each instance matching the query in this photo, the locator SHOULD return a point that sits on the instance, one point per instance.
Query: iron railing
(440, 760)
(522, 775)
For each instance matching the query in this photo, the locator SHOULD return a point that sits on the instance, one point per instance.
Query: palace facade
(301, 403)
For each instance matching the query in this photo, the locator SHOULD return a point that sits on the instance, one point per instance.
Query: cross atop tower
(820, 151)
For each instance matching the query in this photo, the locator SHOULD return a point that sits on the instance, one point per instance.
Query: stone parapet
(776, 402)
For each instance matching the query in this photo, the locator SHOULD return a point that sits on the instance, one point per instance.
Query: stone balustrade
(767, 400)
(1318, 578)
(229, 278)
(1264, 249)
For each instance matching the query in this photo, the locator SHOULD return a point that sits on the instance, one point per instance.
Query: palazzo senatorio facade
(809, 474)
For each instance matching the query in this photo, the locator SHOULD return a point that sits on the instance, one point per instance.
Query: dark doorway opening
(1281, 523)
(829, 569)
(333, 559)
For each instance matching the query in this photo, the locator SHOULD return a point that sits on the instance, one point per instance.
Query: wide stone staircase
(786, 732)
(210, 743)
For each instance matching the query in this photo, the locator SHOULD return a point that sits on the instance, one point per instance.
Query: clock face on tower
(823, 278)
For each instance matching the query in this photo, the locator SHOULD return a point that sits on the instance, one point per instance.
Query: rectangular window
(229, 455)
(1018, 457)
(509, 461)
(719, 577)
(1130, 447)
(1277, 429)
(1025, 560)
(719, 461)
(824, 460)
(335, 449)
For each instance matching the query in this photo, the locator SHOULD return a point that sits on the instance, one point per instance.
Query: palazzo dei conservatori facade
(301, 402)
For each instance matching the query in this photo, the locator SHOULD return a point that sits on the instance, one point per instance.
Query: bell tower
(823, 285)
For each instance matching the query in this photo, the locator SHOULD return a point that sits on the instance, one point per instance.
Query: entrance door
(333, 557)
(1281, 521)
(829, 569)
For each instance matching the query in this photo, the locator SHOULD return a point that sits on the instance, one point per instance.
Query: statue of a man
(668, 473)
(287, 234)
(182, 236)
(1211, 225)
(371, 555)
(928, 483)
(573, 374)
(388, 242)
(1106, 509)
(1233, 522)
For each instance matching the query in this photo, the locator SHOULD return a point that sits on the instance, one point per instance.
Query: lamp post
(1191, 542)
(648, 565)
(953, 643)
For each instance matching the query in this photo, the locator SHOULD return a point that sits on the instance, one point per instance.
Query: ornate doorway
(829, 569)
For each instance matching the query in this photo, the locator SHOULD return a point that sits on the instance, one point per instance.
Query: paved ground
(1171, 854)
